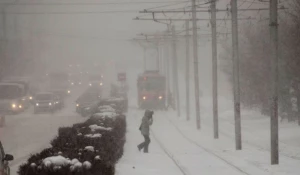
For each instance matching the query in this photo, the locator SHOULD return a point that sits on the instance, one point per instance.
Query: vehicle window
(10, 92)
(43, 97)
(152, 84)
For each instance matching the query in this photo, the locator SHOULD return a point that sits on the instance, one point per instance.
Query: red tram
(151, 90)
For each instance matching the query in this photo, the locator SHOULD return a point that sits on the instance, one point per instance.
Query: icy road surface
(28, 133)
(178, 148)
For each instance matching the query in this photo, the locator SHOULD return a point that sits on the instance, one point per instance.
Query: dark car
(59, 99)
(45, 101)
(4, 159)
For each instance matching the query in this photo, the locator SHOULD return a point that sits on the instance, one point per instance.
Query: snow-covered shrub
(91, 147)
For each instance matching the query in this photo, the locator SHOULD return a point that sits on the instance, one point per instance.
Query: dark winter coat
(146, 123)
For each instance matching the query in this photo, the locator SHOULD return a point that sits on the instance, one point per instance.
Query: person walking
(145, 130)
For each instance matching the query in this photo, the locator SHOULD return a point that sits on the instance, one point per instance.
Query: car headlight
(69, 92)
(77, 105)
(101, 84)
(144, 97)
(79, 83)
(20, 106)
(90, 84)
(57, 102)
(50, 104)
(160, 97)
(72, 83)
(30, 98)
(37, 104)
(13, 105)
(23, 99)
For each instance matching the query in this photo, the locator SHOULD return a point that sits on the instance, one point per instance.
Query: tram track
(207, 150)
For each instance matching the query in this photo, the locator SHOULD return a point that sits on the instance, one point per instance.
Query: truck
(151, 87)
(59, 81)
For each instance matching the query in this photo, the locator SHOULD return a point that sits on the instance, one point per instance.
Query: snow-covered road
(178, 148)
(28, 133)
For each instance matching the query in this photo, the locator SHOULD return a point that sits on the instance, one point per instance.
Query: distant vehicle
(59, 102)
(28, 90)
(76, 80)
(11, 98)
(4, 159)
(60, 81)
(96, 80)
(151, 90)
(88, 99)
(45, 101)
(120, 91)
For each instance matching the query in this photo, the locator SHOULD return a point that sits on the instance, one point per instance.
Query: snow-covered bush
(91, 147)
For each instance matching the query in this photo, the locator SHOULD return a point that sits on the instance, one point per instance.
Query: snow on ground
(177, 147)
(27, 133)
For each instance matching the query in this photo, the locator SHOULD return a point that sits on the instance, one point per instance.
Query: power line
(89, 4)
(71, 12)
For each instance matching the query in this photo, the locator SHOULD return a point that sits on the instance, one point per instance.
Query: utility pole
(167, 61)
(214, 68)
(274, 102)
(144, 50)
(187, 69)
(236, 84)
(157, 57)
(195, 53)
(175, 72)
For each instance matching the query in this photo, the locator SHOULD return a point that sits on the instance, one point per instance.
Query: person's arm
(150, 121)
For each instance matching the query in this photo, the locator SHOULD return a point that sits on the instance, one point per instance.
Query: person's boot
(146, 149)
(139, 147)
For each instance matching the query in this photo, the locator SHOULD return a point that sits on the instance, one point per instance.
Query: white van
(11, 98)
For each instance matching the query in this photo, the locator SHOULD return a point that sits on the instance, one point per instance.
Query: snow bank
(96, 127)
(106, 108)
(114, 99)
(89, 148)
(93, 135)
(56, 161)
(105, 114)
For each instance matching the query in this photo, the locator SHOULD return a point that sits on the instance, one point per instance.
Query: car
(87, 100)
(4, 159)
(59, 99)
(45, 101)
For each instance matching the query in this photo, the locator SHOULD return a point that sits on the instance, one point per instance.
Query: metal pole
(187, 70)
(144, 49)
(214, 68)
(195, 54)
(175, 72)
(157, 58)
(236, 85)
(274, 102)
(168, 67)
